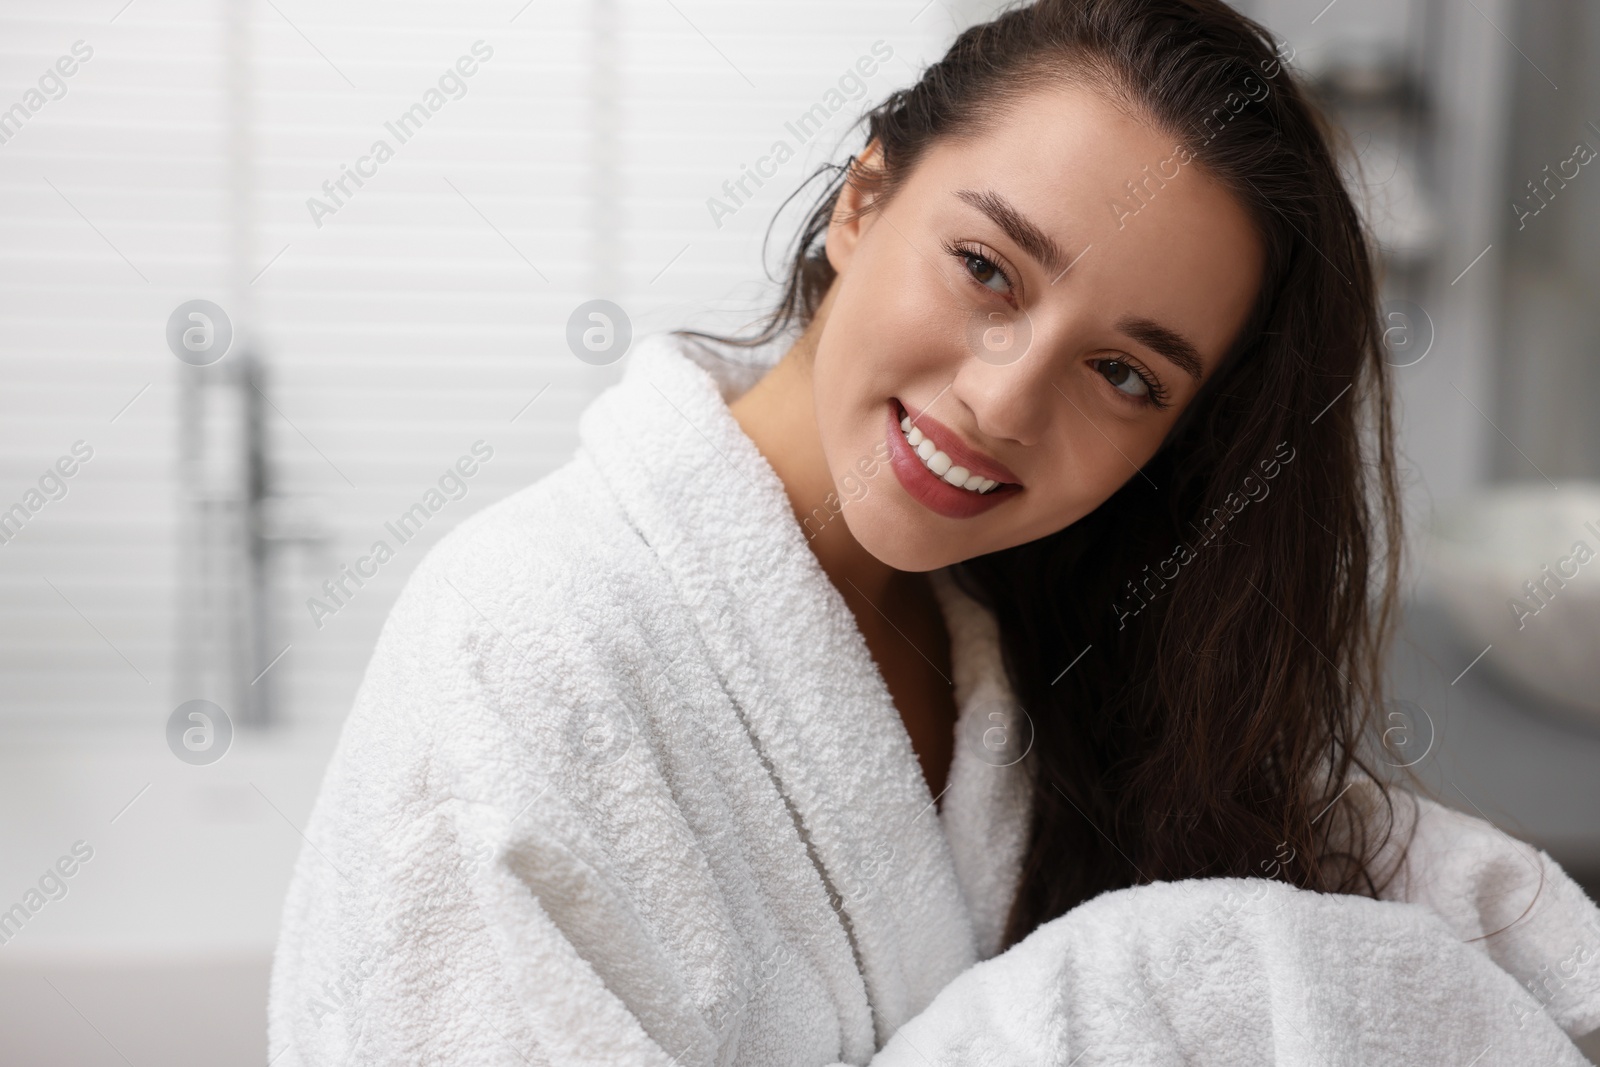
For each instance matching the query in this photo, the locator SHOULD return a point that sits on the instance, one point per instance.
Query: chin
(901, 544)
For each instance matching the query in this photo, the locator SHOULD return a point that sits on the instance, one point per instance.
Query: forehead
(1157, 236)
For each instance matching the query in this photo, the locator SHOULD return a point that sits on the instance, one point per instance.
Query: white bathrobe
(623, 785)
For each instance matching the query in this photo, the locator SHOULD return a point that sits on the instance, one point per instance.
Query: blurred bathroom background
(240, 344)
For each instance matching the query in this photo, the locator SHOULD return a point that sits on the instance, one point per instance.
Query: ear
(852, 212)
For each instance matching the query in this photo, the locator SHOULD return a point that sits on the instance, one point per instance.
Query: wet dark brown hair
(1224, 613)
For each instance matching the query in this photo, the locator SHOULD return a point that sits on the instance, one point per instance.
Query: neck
(778, 413)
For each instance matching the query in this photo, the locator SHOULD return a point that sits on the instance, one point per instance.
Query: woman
(809, 713)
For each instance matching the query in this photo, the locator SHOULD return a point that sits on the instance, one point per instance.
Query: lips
(932, 491)
(946, 441)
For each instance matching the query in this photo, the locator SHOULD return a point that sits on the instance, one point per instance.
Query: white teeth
(941, 464)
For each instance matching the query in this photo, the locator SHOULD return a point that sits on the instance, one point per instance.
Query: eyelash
(1155, 396)
(966, 254)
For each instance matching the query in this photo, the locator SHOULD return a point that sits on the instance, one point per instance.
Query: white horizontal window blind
(397, 207)
(113, 161)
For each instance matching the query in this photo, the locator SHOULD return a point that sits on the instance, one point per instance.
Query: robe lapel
(989, 796)
(791, 657)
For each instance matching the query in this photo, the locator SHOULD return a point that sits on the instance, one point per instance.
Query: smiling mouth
(940, 464)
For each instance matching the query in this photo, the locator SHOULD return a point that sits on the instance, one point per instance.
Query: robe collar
(922, 891)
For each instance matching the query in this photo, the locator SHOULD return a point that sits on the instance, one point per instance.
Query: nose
(1007, 380)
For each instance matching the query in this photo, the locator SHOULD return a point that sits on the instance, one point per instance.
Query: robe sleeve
(1236, 971)
(1504, 897)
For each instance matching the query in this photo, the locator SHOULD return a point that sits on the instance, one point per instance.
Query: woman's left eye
(1124, 378)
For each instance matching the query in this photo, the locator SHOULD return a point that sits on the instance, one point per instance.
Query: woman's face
(1039, 319)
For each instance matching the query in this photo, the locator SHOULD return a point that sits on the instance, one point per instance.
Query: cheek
(897, 303)
(888, 334)
(851, 414)
(1092, 457)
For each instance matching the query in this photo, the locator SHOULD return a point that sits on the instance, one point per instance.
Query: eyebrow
(1032, 240)
(1178, 349)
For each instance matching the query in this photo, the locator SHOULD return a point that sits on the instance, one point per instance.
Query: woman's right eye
(983, 270)
(986, 273)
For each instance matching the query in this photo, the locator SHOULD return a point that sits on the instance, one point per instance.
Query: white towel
(622, 784)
